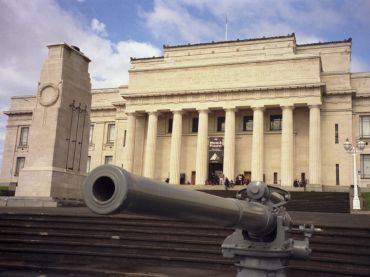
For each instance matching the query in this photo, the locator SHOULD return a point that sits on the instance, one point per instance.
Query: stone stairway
(326, 202)
(70, 241)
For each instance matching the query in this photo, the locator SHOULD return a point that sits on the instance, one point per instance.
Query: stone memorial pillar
(59, 133)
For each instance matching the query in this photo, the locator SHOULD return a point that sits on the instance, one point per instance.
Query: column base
(356, 205)
(49, 182)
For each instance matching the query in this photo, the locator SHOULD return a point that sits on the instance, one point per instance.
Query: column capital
(232, 109)
(314, 106)
(203, 110)
(287, 107)
(152, 113)
(177, 111)
(130, 113)
(258, 108)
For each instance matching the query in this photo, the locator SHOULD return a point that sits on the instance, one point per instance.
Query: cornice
(133, 59)
(348, 40)
(228, 41)
(203, 64)
(226, 90)
(101, 108)
(18, 112)
(119, 103)
(363, 95)
(23, 97)
(340, 92)
(104, 90)
(360, 75)
(334, 73)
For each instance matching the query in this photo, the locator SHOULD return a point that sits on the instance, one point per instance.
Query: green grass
(366, 196)
(3, 188)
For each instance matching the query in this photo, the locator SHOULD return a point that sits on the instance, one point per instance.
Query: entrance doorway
(193, 177)
(215, 171)
(247, 176)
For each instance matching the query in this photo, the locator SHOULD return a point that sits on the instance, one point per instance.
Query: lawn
(366, 196)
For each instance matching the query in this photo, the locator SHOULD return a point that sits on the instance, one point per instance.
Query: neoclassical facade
(267, 108)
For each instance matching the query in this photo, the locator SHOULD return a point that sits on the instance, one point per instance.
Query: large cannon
(258, 215)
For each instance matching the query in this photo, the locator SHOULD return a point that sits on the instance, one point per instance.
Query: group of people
(299, 183)
(220, 179)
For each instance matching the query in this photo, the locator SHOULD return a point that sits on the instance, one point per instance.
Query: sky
(109, 32)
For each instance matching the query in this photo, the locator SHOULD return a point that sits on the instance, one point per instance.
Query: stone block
(313, 187)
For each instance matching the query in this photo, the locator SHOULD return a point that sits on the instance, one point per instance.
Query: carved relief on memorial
(49, 94)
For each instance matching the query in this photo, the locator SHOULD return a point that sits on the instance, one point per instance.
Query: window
(91, 134)
(194, 125)
(275, 177)
(88, 164)
(124, 138)
(110, 134)
(336, 134)
(19, 165)
(248, 123)
(365, 126)
(23, 138)
(337, 174)
(169, 127)
(365, 166)
(275, 122)
(108, 160)
(221, 124)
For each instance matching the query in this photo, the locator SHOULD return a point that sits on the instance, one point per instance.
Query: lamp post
(360, 146)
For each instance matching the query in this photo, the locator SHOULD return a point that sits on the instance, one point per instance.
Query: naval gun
(260, 241)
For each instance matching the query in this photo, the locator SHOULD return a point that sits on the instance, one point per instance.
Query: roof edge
(326, 42)
(292, 35)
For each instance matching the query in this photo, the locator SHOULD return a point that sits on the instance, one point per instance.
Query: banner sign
(216, 150)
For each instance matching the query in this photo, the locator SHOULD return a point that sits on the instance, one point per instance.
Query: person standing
(227, 183)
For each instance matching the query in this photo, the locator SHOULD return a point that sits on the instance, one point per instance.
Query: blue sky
(111, 31)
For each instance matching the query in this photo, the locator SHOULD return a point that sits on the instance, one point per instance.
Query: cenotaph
(59, 133)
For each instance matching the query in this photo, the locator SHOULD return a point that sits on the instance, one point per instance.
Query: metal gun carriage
(260, 241)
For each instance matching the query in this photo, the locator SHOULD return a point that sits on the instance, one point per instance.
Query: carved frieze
(161, 100)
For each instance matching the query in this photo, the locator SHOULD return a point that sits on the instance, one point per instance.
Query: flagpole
(226, 28)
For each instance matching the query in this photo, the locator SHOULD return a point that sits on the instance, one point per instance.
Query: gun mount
(258, 215)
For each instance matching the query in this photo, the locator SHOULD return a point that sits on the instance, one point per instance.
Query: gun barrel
(109, 189)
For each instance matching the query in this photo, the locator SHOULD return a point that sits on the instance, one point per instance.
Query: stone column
(229, 144)
(286, 166)
(176, 147)
(128, 160)
(151, 144)
(314, 160)
(257, 144)
(202, 149)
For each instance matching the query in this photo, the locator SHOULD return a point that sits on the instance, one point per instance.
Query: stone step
(116, 243)
(328, 202)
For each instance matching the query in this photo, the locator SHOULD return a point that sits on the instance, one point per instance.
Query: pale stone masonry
(282, 110)
(58, 139)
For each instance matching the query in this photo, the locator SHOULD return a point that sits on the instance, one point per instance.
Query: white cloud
(170, 21)
(180, 20)
(98, 27)
(27, 27)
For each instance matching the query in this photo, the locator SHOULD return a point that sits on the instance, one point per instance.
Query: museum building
(267, 108)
